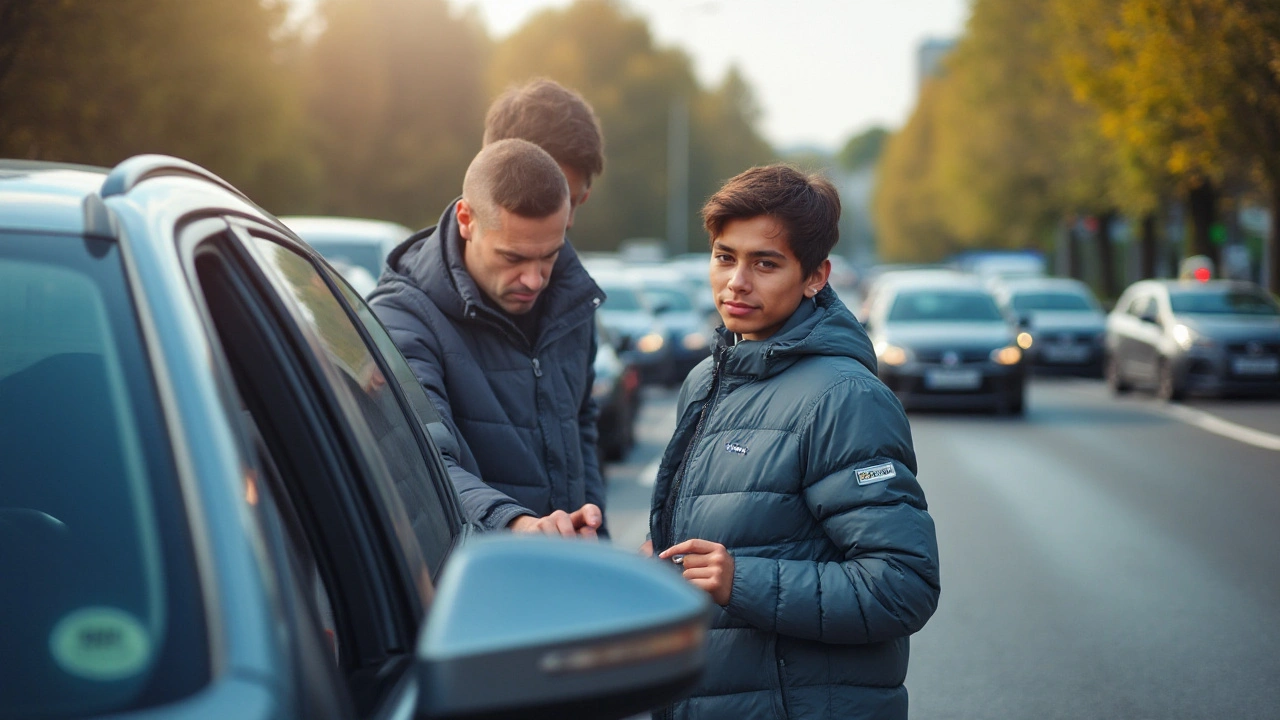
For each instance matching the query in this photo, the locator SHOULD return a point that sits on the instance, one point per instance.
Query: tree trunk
(1106, 260)
(1075, 268)
(1148, 243)
(1202, 203)
(1273, 241)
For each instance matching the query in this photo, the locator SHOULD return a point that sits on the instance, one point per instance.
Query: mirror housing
(547, 628)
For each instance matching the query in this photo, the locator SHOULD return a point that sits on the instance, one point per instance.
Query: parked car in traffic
(1180, 337)
(687, 329)
(355, 247)
(617, 395)
(640, 336)
(942, 342)
(1064, 321)
(222, 493)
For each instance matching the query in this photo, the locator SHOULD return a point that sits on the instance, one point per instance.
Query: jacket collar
(822, 326)
(432, 260)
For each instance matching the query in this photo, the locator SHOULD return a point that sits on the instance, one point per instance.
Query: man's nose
(739, 279)
(534, 277)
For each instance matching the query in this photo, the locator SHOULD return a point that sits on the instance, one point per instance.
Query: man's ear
(466, 218)
(817, 279)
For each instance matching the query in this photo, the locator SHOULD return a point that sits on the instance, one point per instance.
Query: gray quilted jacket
(521, 421)
(792, 454)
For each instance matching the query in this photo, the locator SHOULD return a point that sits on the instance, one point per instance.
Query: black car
(942, 342)
(1064, 322)
(222, 496)
(1179, 337)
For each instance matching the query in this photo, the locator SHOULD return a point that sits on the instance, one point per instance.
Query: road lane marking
(1196, 418)
(1225, 428)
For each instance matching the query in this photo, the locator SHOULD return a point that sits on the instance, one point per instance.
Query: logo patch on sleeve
(876, 473)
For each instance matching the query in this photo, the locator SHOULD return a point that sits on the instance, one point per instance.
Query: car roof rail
(130, 173)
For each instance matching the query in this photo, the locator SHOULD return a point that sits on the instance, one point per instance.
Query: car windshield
(1042, 301)
(363, 255)
(1227, 302)
(621, 298)
(95, 554)
(670, 299)
(944, 306)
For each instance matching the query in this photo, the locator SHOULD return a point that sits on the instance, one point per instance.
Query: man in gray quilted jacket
(789, 491)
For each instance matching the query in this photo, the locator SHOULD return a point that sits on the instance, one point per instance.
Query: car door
(1144, 340)
(356, 472)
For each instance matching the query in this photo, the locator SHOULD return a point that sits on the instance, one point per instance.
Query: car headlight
(1010, 355)
(694, 341)
(892, 354)
(1025, 340)
(650, 343)
(1188, 338)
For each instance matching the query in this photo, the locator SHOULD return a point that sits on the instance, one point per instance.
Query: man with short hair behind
(494, 313)
(788, 492)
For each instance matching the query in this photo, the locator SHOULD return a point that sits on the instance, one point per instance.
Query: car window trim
(333, 459)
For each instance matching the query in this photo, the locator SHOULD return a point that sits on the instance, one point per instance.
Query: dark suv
(220, 495)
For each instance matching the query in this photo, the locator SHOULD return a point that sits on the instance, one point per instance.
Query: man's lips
(523, 297)
(737, 309)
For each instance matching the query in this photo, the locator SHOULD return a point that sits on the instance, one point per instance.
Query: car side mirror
(541, 627)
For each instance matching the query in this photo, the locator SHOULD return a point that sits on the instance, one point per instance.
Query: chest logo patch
(876, 473)
(735, 448)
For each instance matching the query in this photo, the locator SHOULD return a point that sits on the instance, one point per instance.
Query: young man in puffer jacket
(788, 492)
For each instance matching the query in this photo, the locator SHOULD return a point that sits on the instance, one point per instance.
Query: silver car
(223, 495)
(1179, 337)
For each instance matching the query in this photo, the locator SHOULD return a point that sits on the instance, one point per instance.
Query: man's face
(511, 261)
(756, 279)
(579, 189)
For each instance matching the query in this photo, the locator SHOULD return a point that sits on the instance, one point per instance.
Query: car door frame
(391, 602)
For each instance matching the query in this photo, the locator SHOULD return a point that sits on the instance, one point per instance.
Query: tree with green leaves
(397, 98)
(605, 52)
(96, 82)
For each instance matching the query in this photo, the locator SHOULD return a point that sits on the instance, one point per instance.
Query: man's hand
(707, 565)
(582, 522)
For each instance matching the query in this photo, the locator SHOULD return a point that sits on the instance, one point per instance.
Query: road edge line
(1224, 428)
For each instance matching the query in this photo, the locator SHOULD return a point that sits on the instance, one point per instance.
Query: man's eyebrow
(513, 255)
(772, 254)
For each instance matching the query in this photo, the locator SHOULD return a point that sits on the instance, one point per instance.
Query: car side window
(400, 450)
(1138, 306)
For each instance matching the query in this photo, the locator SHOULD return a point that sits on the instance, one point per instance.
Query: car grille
(967, 355)
(1242, 348)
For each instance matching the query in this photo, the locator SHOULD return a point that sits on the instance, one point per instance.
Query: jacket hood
(824, 327)
(432, 260)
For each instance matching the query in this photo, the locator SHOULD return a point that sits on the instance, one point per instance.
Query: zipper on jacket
(683, 469)
(537, 368)
(782, 686)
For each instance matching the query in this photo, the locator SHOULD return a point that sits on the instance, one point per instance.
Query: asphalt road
(1100, 557)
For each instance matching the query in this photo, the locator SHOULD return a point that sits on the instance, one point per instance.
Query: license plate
(958, 379)
(1264, 365)
(1065, 353)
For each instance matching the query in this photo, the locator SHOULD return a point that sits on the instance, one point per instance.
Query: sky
(822, 70)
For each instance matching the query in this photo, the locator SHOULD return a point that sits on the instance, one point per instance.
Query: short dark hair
(552, 117)
(806, 206)
(518, 177)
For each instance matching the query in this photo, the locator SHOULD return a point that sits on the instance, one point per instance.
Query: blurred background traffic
(1059, 230)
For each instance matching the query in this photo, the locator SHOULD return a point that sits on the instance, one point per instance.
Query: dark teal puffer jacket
(799, 461)
(519, 413)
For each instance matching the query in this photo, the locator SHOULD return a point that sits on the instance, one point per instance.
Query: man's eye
(723, 259)
(768, 264)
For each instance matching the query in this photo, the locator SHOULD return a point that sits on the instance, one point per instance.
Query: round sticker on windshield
(100, 643)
